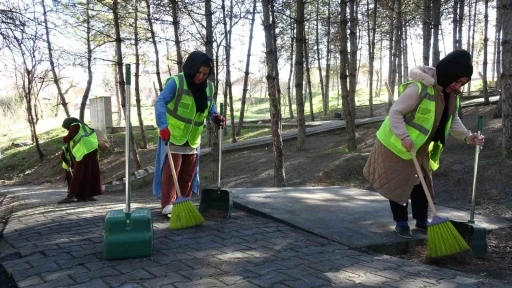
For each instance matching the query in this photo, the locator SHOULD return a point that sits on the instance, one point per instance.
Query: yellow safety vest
(84, 142)
(419, 123)
(185, 123)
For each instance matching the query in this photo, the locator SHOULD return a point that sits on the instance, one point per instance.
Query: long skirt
(86, 180)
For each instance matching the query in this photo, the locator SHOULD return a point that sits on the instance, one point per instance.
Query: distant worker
(420, 120)
(180, 111)
(83, 143)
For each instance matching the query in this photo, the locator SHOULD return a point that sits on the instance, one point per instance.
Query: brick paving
(62, 246)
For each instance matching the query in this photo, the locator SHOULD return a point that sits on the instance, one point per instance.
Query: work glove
(219, 120)
(165, 134)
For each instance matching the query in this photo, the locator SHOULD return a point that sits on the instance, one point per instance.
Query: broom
(442, 238)
(184, 213)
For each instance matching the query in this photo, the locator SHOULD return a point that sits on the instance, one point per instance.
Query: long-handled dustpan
(475, 234)
(218, 201)
(128, 234)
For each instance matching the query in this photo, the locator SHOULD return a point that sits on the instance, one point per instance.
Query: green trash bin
(128, 234)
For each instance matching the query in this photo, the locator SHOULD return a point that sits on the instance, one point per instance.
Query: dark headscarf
(457, 64)
(66, 124)
(192, 65)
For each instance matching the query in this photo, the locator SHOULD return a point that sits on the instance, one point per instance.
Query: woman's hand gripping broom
(442, 237)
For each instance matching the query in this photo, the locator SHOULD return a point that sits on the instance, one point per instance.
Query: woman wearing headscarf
(83, 144)
(180, 111)
(420, 120)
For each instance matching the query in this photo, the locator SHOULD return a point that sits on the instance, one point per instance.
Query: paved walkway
(50, 245)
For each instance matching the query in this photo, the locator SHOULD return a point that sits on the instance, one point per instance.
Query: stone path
(50, 245)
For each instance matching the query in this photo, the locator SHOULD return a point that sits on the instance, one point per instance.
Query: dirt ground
(325, 162)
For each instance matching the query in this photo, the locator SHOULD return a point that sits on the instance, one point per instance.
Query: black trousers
(419, 205)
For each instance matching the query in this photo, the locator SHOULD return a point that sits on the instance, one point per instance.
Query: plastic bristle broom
(184, 213)
(442, 237)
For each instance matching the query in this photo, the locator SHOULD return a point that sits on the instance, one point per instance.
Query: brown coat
(392, 176)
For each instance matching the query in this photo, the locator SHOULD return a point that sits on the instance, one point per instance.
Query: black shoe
(422, 227)
(92, 199)
(403, 231)
(81, 199)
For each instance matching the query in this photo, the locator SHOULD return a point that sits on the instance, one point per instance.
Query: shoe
(167, 210)
(91, 199)
(403, 231)
(422, 227)
(81, 199)
(67, 200)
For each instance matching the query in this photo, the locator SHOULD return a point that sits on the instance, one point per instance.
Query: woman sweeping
(180, 111)
(420, 121)
(83, 143)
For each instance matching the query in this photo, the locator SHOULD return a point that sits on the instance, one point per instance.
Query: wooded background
(328, 48)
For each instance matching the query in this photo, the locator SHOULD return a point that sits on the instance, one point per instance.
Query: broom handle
(174, 177)
(220, 146)
(425, 188)
(477, 152)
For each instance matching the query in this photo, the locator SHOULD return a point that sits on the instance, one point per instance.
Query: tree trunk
(399, 51)
(275, 110)
(350, 120)
(292, 31)
(372, 51)
(308, 78)
(427, 31)
(52, 64)
(473, 39)
(391, 45)
(155, 46)
(122, 83)
(328, 56)
(344, 68)
(137, 75)
(246, 74)
(177, 41)
(116, 89)
(486, 40)
(406, 50)
(274, 38)
(436, 23)
(338, 76)
(460, 24)
(325, 108)
(396, 48)
(87, 90)
(506, 77)
(455, 23)
(299, 75)
(499, 106)
(228, 84)
(468, 43)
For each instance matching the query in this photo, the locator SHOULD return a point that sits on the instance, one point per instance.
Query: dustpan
(128, 234)
(217, 201)
(475, 234)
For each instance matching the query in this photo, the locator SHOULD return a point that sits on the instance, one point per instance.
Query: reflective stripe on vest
(419, 123)
(84, 142)
(185, 124)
